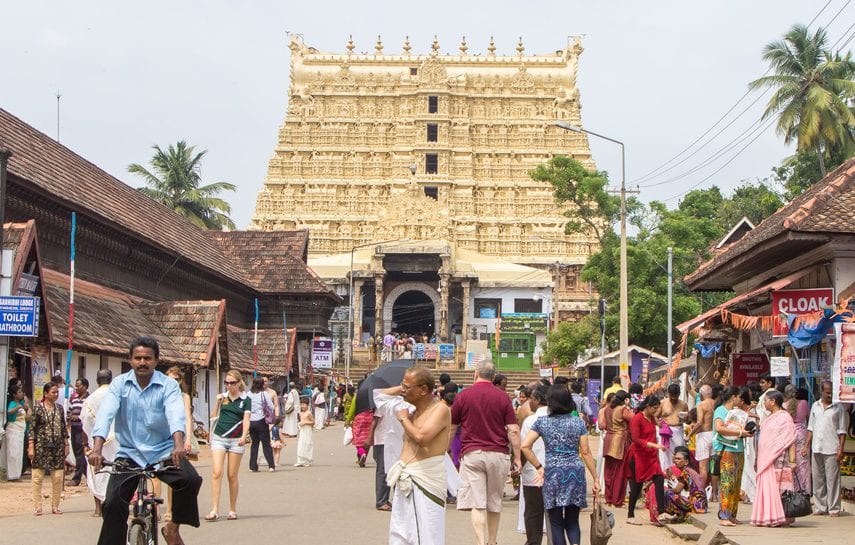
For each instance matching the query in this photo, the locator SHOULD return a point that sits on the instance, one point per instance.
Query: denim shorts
(228, 444)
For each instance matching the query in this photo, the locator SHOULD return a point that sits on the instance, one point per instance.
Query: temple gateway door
(413, 312)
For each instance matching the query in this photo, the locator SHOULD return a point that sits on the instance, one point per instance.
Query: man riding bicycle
(150, 422)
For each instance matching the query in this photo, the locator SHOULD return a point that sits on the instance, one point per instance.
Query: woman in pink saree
(776, 461)
(796, 403)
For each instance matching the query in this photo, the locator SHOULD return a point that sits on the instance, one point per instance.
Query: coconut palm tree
(174, 181)
(813, 92)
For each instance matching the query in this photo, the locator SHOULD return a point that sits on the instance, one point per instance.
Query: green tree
(174, 180)
(570, 341)
(812, 92)
(752, 201)
(590, 206)
(800, 171)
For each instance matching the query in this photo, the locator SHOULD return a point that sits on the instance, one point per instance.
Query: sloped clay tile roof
(98, 310)
(53, 168)
(192, 325)
(23, 239)
(19, 237)
(824, 208)
(271, 349)
(274, 261)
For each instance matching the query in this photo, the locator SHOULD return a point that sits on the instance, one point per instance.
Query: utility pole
(5, 280)
(58, 96)
(602, 308)
(624, 278)
(670, 301)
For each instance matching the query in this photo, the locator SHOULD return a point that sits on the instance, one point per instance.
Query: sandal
(385, 507)
(212, 516)
(232, 516)
(633, 522)
(37, 512)
(56, 511)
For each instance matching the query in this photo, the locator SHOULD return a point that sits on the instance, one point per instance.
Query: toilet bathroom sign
(801, 301)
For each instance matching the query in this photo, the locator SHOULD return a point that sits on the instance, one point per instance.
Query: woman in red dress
(642, 459)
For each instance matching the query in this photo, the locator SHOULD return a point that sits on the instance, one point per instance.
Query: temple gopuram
(381, 147)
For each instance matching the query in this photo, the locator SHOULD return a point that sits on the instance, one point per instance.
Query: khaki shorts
(483, 475)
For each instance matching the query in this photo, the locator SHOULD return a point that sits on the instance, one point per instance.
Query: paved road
(333, 501)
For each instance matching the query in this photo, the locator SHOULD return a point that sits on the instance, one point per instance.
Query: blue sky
(654, 74)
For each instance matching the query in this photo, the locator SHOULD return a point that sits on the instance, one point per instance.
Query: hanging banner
(779, 366)
(476, 352)
(799, 302)
(27, 284)
(322, 353)
(41, 371)
(748, 368)
(645, 369)
(843, 368)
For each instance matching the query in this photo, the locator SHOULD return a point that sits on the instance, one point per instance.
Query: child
(305, 441)
(277, 439)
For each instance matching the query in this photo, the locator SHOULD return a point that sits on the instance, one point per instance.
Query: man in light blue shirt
(149, 427)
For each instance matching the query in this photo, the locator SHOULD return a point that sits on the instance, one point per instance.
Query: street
(331, 501)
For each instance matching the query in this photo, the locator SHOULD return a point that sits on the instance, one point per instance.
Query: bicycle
(142, 529)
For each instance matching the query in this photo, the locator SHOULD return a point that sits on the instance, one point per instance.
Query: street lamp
(624, 297)
(350, 298)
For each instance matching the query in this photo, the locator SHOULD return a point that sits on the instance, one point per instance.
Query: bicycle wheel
(136, 534)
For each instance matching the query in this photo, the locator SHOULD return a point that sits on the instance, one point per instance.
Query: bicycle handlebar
(166, 463)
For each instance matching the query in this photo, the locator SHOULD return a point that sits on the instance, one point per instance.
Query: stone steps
(462, 377)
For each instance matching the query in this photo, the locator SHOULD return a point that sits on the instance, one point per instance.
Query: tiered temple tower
(378, 146)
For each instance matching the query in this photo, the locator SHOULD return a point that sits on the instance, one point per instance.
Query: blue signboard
(19, 316)
(419, 351)
(446, 352)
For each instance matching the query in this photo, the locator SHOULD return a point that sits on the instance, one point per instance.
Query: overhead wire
(659, 170)
(758, 132)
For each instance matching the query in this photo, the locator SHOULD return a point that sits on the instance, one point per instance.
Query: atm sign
(805, 301)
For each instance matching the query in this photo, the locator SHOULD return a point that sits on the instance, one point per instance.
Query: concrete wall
(507, 295)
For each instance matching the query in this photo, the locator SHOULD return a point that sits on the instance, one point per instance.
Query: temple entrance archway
(413, 307)
(413, 313)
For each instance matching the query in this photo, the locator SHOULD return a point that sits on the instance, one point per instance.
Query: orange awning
(774, 285)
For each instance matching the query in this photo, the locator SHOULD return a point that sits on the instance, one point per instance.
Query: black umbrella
(386, 376)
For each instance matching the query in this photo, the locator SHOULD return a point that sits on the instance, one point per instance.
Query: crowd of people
(737, 446)
(436, 445)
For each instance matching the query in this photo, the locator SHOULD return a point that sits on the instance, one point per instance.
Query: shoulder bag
(796, 502)
(266, 408)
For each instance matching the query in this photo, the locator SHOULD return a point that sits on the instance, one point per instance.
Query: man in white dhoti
(387, 438)
(292, 409)
(97, 482)
(419, 479)
(319, 403)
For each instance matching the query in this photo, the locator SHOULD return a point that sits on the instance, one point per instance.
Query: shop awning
(778, 284)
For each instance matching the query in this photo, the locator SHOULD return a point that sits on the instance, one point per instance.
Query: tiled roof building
(143, 269)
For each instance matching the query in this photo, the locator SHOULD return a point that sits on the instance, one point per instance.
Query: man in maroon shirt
(488, 427)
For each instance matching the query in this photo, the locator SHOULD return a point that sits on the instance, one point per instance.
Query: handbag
(348, 436)
(266, 408)
(715, 463)
(289, 405)
(601, 528)
(796, 502)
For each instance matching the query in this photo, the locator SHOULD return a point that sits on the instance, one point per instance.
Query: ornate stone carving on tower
(473, 125)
